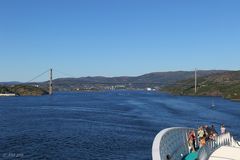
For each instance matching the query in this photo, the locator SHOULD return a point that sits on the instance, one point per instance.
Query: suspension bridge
(50, 71)
(50, 81)
(50, 78)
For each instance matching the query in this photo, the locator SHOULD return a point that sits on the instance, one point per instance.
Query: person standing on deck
(201, 137)
(192, 140)
(223, 129)
(213, 129)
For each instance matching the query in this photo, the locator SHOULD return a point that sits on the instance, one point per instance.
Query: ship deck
(226, 153)
(223, 153)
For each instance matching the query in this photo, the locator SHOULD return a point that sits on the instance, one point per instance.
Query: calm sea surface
(102, 125)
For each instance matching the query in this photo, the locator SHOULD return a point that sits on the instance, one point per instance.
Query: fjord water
(102, 125)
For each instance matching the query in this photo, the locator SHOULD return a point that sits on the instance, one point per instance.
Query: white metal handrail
(213, 145)
(235, 143)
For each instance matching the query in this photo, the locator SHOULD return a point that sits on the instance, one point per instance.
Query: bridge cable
(37, 76)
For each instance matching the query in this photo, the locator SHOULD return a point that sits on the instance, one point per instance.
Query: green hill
(225, 84)
(23, 90)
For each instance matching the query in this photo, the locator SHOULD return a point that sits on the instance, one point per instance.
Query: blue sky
(117, 37)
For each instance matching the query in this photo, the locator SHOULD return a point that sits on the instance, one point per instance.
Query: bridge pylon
(50, 82)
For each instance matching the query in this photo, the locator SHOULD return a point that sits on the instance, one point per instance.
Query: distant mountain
(173, 76)
(156, 79)
(10, 83)
(226, 84)
(210, 83)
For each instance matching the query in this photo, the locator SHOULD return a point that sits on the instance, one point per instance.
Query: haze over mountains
(10, 83)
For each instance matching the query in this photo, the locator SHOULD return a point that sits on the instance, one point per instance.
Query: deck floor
(226, 153)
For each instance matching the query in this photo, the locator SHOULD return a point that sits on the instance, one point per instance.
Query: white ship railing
(235, 143)
(172, 143)
(211, 146)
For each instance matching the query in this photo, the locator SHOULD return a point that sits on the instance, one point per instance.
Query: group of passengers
(204, 134)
